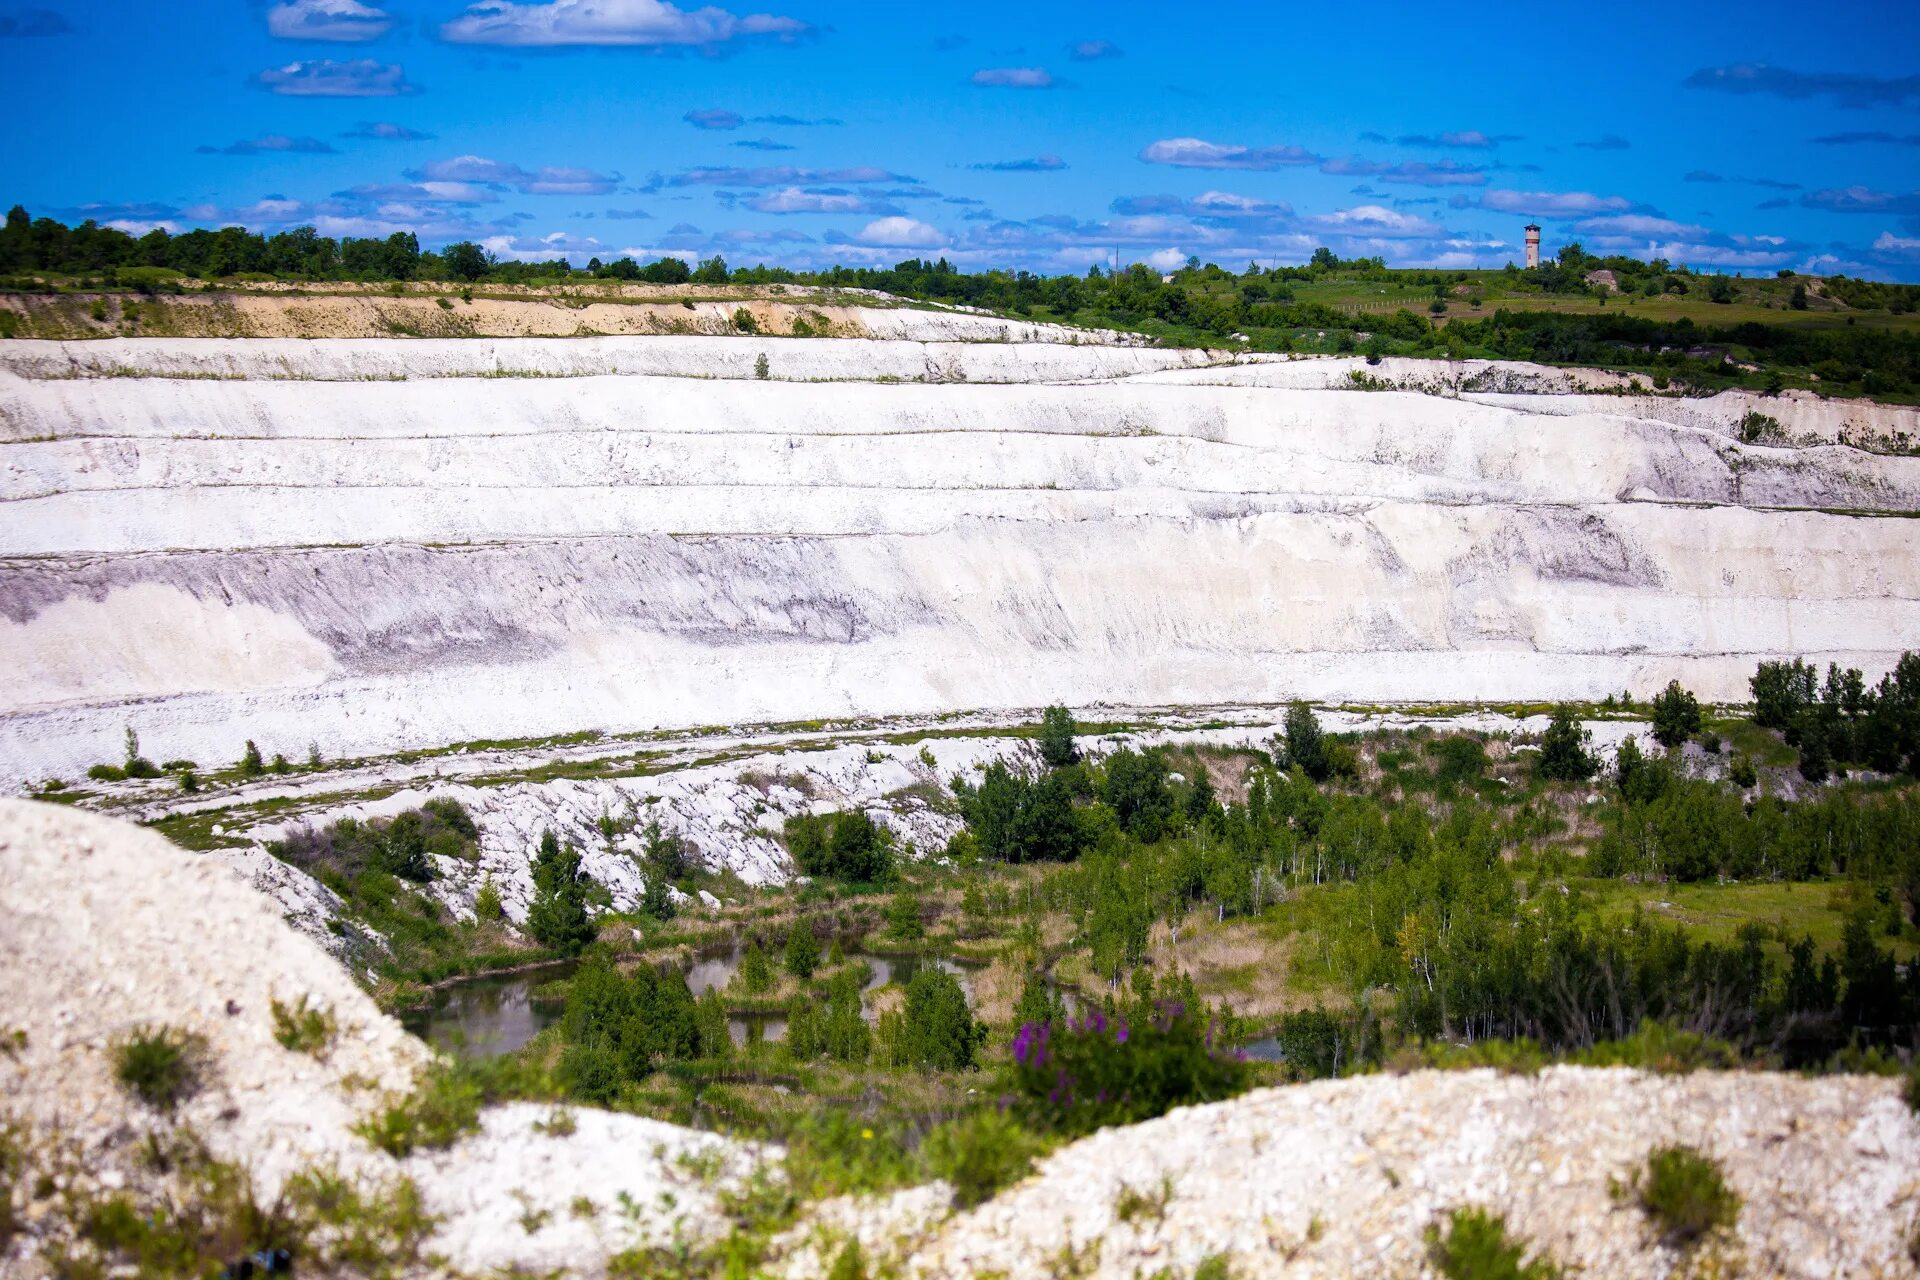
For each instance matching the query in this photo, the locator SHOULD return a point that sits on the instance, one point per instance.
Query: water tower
(1533, 245)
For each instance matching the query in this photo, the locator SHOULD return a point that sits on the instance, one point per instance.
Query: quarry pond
(490, 1016)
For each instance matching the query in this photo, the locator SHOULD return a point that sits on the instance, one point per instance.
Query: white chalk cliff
(374, 545)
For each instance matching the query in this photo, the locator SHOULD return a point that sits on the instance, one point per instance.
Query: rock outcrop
(106, 929)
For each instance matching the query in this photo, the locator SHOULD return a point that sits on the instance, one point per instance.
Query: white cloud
(346, 20)
(644, 23)
(1553, 203)
(1634, 224)
(1375, 220)
(796, 200)
(902, 233)
(1197, 153)
(559, 180)
(1167, 259)
(1904, 248)
(422, 192)
(782, 175)
(325, 78)
(1014, 78)
(548, 180)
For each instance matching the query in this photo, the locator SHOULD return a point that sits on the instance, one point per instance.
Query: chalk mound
(105, 928)
(1344, 1178)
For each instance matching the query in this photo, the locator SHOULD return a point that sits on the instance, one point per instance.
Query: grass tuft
(1476, 1247)
(161, 1066)
(1685, 1193)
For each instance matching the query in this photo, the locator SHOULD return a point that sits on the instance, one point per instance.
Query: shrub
(591, 1073)
(1564, 756)
(1740, 771)
(803, 950)
(558, 916)
(1305, 742)
(846, 846)
(1476, 1247)
(189, 781)
(761, 369)
(848, 1265)
(980, 1154)
(303, 1028)
(159, 1065)
(1056, 737)
(444, 1105)
(940, 1027)
(1078, 1076)
(251, 763)
(1683, 1191)
(403, 846)
(656, 899)
(1676, 715)
(755, 974)
(486, 903)
(1136, 790)
(107, 773)
(744, 322)
(903, 917)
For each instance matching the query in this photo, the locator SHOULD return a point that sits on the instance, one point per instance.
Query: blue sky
(1048, 137)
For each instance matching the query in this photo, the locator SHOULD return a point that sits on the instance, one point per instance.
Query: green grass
(1476, 1246)
(1764, 746)
(160, 1066)
(304, 1028)
(1716, 912)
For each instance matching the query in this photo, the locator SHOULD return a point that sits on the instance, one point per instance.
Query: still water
(487, 1017)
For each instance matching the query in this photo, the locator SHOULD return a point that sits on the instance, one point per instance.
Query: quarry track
(383, 545)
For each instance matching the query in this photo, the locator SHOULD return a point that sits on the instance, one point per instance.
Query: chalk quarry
(376, 545)
(774, 575)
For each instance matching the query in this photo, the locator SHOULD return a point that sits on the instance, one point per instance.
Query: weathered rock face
(655, 537)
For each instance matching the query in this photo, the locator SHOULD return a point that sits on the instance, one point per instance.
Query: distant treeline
(1196, 305)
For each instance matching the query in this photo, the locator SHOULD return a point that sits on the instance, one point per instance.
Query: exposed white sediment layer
(377, 565)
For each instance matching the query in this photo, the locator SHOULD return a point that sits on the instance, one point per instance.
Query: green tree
(803, 950)
(1306, 742)
(1200, 799)
(1056, 737)
(903, 916)
(756, 974)
(711, 271)
(1676, 715)
(1798, 298)
(1563, 749)
(1038, 1002)
(656, 900)
(466, 260)
(1136, 790)
(557, 917)
(251, 763)
(940, 1029)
